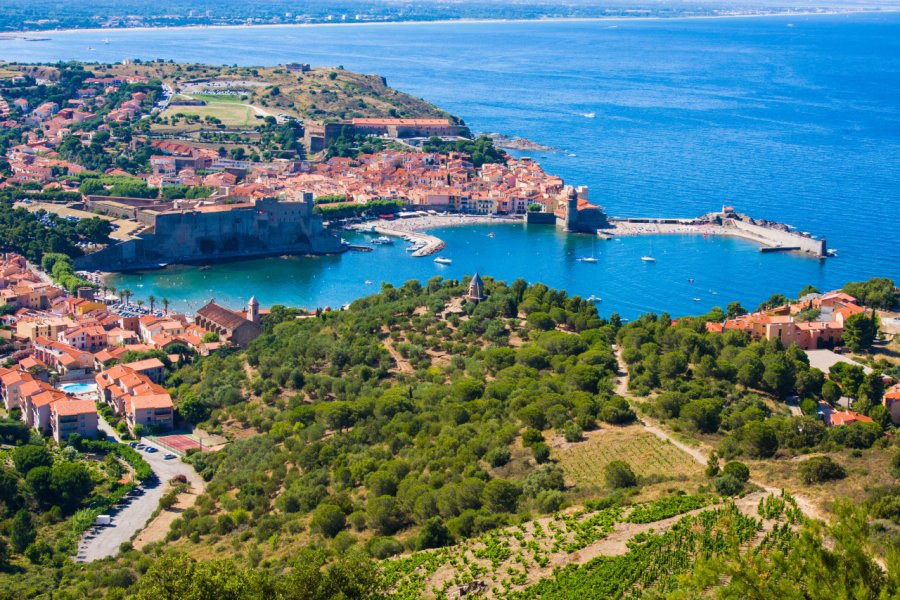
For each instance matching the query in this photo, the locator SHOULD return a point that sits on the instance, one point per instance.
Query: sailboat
(592, 258)
(648, 258)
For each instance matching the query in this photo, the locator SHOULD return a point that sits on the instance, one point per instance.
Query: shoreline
(831, 12)
(412, 228)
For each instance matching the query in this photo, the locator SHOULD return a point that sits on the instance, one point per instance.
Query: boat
(589, 115)
(594, 299)
(648, 259)
(593, 257)
(368, 282)
(204, 268)
(491, 234)
(383, 240)
(691, 280)
(443, 261)
(696, 299)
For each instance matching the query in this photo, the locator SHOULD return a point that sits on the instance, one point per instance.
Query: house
(11, 382)
(73, 416)
(232, 327)
(37, 408)
(847, 417)
(891, 401)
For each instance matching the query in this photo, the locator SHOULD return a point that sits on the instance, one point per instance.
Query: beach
(413, 227)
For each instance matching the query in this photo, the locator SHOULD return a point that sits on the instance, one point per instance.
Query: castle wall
(268, 227)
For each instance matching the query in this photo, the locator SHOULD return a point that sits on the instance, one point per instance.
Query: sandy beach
(413, 228)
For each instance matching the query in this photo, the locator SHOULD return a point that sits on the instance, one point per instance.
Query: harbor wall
(777, 238)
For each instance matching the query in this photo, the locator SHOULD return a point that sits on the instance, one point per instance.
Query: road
(135, 515)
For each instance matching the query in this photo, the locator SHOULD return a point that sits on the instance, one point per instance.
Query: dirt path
(809, 509)
(403, 365)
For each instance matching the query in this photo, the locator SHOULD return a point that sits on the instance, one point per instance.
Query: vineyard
(504, 563)
(646, 454)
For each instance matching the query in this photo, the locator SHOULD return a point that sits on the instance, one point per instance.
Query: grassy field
(647, 455)
(228, 109)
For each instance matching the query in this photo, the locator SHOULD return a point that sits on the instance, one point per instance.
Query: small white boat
(588, 259)
(648, 259)
(696, 299)
(368, 282)
(383, 240)
(594, 299)
(443, 261)
(589, 115)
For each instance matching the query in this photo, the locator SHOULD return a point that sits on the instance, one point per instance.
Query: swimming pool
(78, 388)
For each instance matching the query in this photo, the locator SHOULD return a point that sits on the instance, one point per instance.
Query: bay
(795, 119)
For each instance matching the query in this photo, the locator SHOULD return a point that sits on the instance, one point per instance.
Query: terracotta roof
(221, 316)
(847, 417)
(154, 401)
(143, 365)
(74, 407)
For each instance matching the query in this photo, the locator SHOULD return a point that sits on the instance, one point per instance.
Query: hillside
(417, 445)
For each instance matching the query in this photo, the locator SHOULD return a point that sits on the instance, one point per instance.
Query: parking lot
(133, 513)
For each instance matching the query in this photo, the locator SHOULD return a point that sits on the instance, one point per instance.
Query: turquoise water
(792, 118)
(78, 388)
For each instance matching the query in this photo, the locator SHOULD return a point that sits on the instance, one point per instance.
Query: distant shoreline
(831, 12)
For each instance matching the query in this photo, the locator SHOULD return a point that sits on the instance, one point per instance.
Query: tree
(165, 303)
(328, 519)
(40, 482)
(384, 514)
(860, 331)
(820, 468)
(71, 483)
(619, 475)
(434, 534)
(734, 309)
(193, 410)
(806, 290)
(831, 392)
(501, 495)
(22, 533)
(30, 456)
(759, 439)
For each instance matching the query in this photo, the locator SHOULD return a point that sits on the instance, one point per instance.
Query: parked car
(132, 444)
(169, 456)
(151, 450)
(140, 446)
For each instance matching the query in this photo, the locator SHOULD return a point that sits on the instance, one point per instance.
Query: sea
(794, 119)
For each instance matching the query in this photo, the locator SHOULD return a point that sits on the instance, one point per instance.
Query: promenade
(412, 228)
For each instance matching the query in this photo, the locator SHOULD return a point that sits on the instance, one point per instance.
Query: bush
(619, 475)
(738, 470)
(573, 433)
(541, 452)
(434, 534)
(384, 547)
(328, 519)
(820, 468)
(549, 501)
(501, 496)
(531, 436)
(729, 485)
(497, 457)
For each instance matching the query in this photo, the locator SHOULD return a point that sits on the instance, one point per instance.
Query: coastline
(831, 12)
(413, 227)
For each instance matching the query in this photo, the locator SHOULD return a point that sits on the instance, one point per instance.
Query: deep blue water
(795, 119)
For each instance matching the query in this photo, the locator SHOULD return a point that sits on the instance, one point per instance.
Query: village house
(134, 396)
(823, 327)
